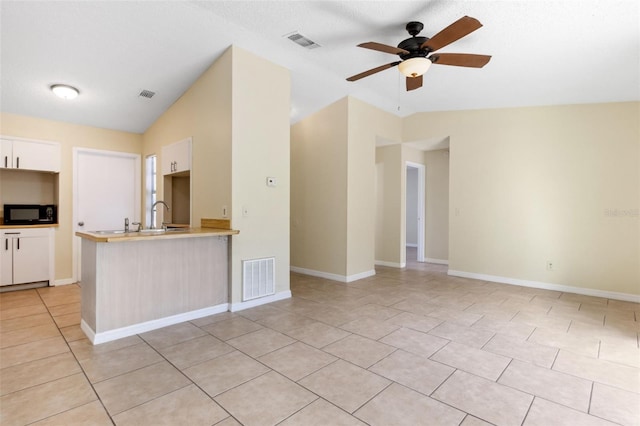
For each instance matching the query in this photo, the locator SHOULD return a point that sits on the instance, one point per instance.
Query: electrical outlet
(550, 265)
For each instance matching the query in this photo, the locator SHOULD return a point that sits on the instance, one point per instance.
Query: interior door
(106, 191)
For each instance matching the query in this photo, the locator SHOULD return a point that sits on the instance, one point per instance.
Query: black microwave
(30, 214)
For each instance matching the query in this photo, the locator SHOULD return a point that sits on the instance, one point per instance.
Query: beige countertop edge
(48, 225)
(136, 236)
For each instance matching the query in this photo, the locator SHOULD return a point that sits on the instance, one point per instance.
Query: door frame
(421, 206)
(76, 151)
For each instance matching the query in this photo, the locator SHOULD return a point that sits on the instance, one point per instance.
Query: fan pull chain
(399, 91)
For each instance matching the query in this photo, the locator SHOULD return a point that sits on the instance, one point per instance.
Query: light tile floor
(407, 347)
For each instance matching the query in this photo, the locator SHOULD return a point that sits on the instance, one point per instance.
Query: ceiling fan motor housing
(412, 45)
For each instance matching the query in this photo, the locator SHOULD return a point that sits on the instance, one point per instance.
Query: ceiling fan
(415, 52)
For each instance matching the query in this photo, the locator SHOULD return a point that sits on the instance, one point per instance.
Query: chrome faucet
(153, 208)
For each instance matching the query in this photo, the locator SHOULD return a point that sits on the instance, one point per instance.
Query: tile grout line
(84, 373)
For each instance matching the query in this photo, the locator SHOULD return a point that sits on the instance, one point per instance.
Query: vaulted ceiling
(543, 53)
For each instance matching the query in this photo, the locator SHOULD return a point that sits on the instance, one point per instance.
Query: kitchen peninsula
(139, 281)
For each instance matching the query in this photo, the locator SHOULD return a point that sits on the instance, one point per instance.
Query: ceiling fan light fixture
(64, 91)
(414, 67)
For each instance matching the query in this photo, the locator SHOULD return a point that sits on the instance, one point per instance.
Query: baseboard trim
(64, 281)
(390, 264)
(143, 327)
(438, 261)
(548, 286)
(333, 277)
(235, 307)
(361, 275)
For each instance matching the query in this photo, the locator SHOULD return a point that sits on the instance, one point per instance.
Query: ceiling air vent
(301, 40)
(147, 94)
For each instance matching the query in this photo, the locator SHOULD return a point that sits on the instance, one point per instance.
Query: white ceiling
(544, 52)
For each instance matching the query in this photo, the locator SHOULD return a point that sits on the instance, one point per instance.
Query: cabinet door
(30, 259)
(6, 154)
(6, 261)
(32, 155)
(176, 157)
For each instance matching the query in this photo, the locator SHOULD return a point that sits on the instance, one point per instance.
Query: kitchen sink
(115, 231)
(163, 231)
(152, 231)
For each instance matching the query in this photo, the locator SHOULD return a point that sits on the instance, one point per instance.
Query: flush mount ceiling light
(414, 67)
(64, 91)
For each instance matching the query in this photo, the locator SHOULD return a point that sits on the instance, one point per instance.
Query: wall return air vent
(258, 278)
(301, 40)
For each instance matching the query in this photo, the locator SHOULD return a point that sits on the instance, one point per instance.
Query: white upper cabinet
(29, 155)
(176, 157)
(6, 154)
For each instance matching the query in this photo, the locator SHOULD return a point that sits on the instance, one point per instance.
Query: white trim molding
(64, 281)
(548, 286)
(143, 327)
(333, 277)
(390, 264)
(281, 295)
(438, 261)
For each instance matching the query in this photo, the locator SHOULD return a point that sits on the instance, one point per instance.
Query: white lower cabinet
(25, 256)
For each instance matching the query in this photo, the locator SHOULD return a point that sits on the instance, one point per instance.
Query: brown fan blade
(453, 32)
(460, 59)
(383, 48)
(372, 71)
(414, 83)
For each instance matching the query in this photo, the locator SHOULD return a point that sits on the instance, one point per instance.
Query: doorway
(106, 190)
(415, 203)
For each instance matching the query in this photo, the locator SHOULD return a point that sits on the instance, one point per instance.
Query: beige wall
(204, 113)
(366, 125)
(69, 136)
(333, 194)
(531, 185)
(391, 162)
(237, 114)
(436, 219)
(413, 155)
(319, 190)
(260, 149)
(390, 200)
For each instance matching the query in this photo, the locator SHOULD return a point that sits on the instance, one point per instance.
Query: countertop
(48, 225)
(140, 236)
